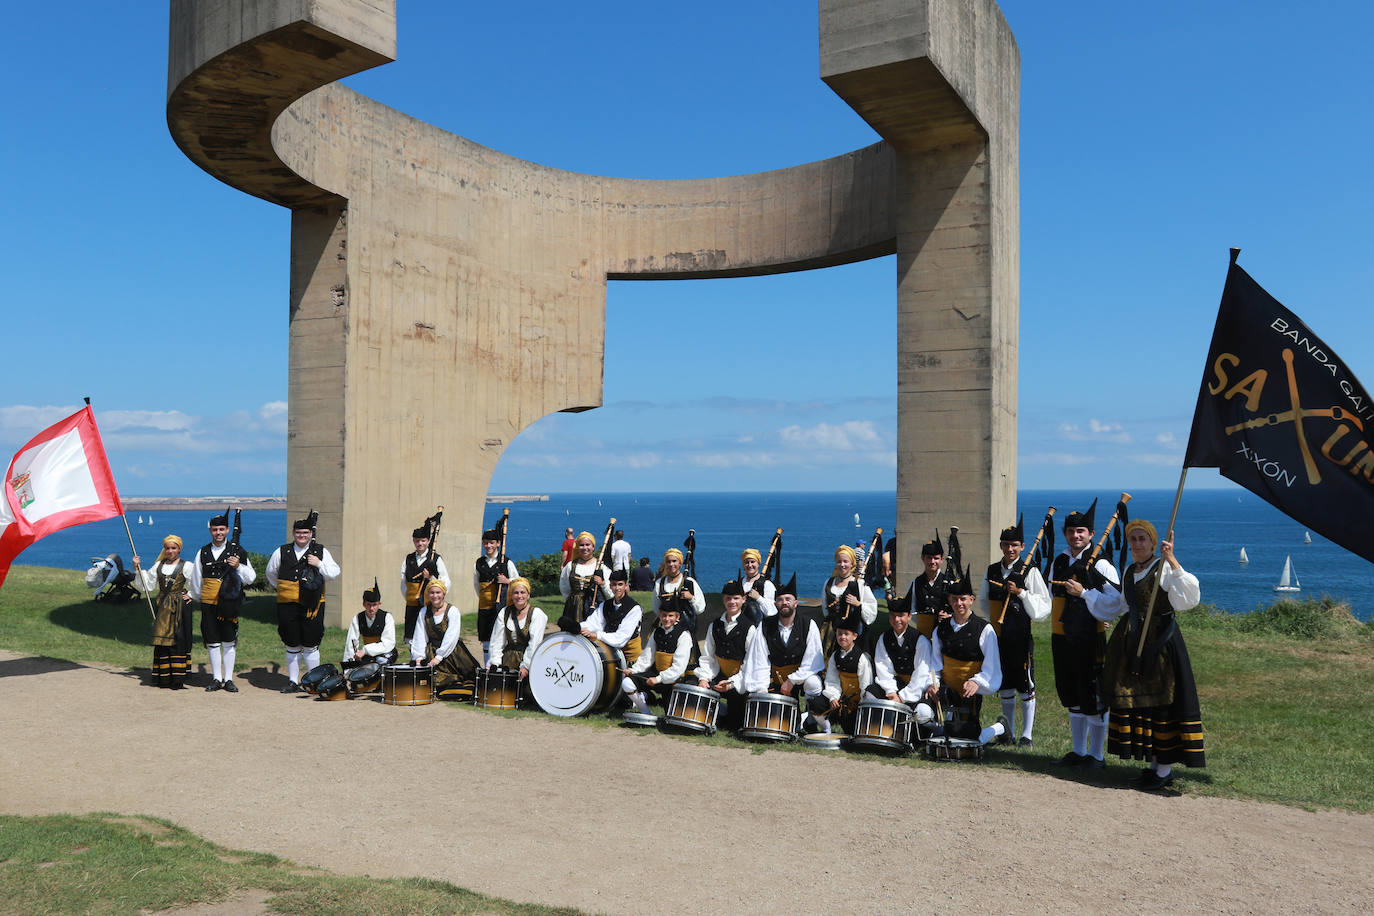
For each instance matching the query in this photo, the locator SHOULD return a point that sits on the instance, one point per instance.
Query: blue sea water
(1212, 527)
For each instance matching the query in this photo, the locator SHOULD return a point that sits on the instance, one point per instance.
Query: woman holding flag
(168, 585)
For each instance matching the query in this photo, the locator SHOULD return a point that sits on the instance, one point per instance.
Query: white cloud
(1167, 440)
(1097, 432)
(26, 422)
(1059, 458)
(734, 460)
(852, 435)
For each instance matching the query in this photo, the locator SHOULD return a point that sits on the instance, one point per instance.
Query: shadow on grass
(124, 623)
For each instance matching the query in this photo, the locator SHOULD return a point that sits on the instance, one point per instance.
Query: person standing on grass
(620, 552)
(219, 615)
(1009, 601)
(298, 572)
(169, 582)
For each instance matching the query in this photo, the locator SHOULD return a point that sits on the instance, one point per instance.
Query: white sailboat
(1307, 537)
(1244, 558)
(150, 518)
(856, 519)
(140, 519)
(1289, 581)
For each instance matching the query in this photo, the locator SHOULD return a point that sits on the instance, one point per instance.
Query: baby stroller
(111, 581)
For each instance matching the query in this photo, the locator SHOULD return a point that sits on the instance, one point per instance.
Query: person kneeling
(848, 674)
(965, 667)
(728, 640)
(658, 670)
(518, 630)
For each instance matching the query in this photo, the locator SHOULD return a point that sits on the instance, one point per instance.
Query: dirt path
(547, 810)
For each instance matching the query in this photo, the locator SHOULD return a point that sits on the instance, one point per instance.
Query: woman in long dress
(848, 599)
(169, 584)
(518, 631)
(1155, 715)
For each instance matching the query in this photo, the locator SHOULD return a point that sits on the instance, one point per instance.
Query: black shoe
(213, 686)
(229, 687)
(291, 687)
(1025, 742)
(1005, 737)
(1154, 783)
(1071, 759)
(1143, 777)
(1092, 763)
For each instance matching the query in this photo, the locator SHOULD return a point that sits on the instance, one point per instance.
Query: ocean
(1212, 527)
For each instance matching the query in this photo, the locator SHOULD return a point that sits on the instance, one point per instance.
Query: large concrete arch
(445, 296)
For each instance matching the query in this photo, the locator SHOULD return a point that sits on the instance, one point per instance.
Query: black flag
(1281, 415)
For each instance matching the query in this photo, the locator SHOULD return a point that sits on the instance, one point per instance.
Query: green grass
(1283, 690)
(111, 864)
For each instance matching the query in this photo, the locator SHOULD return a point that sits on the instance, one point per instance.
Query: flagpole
(138, 574)
(1173, 517)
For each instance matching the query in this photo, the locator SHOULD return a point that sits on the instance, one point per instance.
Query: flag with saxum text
(1281, 415)
(59, 479)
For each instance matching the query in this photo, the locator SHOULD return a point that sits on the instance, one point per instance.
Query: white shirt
(989, 680)
(682, 654)
(1180, 585)
(418, 641)
(629, 626)
(146, 581)
(766, 596)
(620, 555)
(758, 666)
(420, 559)
(246, 573)
(663, 585)
(511, 571)
(921, 675)
(1035, 597)
(1101, 602)
(328, 568)
(707, 667)
(884, 672)
(538, 621)
(589, 568)
(833, 689)
(868, 605)
(383, 646)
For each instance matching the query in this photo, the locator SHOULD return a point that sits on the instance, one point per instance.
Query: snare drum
(770, 717)
(640, 719)
(404, 685)
(365, 679)
(498, 688)
(882, 724)
(693, 708)
(334, 687)
(953, 749)
(824, 742)
(311, 682)
(571, 675)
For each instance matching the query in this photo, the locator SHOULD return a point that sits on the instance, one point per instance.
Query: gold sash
(288, 592)
(663, 661)
(209, 591)
(957, 671)
(370, 640)
(925, 624)
(729, 667)
(849, 691)
(632, 650)
(413, 594)
(486, 593)
(1057, 604)
(780, 674)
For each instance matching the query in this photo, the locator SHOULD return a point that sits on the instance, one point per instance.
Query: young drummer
(848, 674)
(787, 655)
(1010, 600)
(659, 669)
(965, 667)
(728, 640)
(488, 576)
(900, 651)
(371, 634)
(616, 621)
(518, 629)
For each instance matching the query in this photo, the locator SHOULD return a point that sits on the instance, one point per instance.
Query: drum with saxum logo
(770, 717)
(498, 688)
(693, 708)
(884, 724)
(406, 685)
(571, 675)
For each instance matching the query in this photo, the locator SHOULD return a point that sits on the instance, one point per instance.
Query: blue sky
(1152, 139)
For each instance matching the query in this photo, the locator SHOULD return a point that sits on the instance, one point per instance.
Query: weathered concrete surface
(445, 296)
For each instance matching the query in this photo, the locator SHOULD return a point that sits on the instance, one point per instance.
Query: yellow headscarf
(1143, 525)
(519, 580)
(672, 552)
(169, 539)
(433, 582)
(751, 552)
(588, 535)
(844, 549)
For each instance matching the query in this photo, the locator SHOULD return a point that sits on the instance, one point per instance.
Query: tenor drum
(497, 688)
(953, 749)
(334, 687)
(365, 679)
(404, 685)
(693, 708)
(882, 724)
(311, 682)
(571, 675)
(770, 717)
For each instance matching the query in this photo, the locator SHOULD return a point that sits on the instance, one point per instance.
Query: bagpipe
(871, 572)
(1036, 556)
(231, 586)
(500, 557)
(689, 553)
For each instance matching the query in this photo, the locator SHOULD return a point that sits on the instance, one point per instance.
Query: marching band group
(945, 648)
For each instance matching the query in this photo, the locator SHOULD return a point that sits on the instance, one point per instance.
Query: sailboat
(150, 518)
(1289, 581)
(1307, 537)
(1244, 558)
(140, 519)
(856, 519)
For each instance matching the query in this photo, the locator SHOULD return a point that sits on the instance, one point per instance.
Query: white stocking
(1078, 730)
(230, 651)
(216, 671)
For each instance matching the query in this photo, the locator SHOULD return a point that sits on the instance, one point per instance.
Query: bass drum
(571, 675)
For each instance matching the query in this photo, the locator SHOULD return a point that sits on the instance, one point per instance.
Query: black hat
(732, 588)
(790, 588)
(491, 534)
(619, 575)
(933, 548)
(374, 593)
(1082, 519)
(307, 523)
(221, 519)
(1015, 534)
(422, 532)
(960, 586)
(673, 602)
(904, 604)
(849, 622)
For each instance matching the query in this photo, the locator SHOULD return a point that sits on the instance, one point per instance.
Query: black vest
(1016, 623)
(730, 645)
(434, 632)
(782, 654)
(487, 571)
(413, 571)
(929, 599)
(613, 615)
(903, 657)
(849, 664)
(376, 628)
(291, 569)
(838, 610)
(210, 568)
(962, 645)
(667, 640)
(1076, 620)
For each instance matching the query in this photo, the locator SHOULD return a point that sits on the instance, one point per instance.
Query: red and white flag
(59, 479)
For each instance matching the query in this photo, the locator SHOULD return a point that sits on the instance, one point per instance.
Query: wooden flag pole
(1150, 605)
(138, 574)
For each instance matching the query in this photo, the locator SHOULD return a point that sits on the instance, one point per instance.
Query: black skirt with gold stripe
(1168, 734)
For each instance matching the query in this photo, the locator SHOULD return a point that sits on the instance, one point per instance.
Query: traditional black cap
(960, 586)
(307, 523)
(221, 519)
(374, 593)
(619, 575)
(903, 604)
(673, 602)
(732, 588)
(1082, 519)
(933, 548)
(422, 532)
(1015, 534)
(848, 622)
(491, 534)
(790, 588)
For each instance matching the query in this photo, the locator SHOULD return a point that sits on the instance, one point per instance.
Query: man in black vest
(298, 571)
(965, 667)
(1078, 639)
(728, 640)
(488, 578)
(219, 614)
(787, 654)
(617, 619)
(1010, 600)
(371, 633)
(665, 660)
(899, 654)
(926, 594)
(417, 569)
